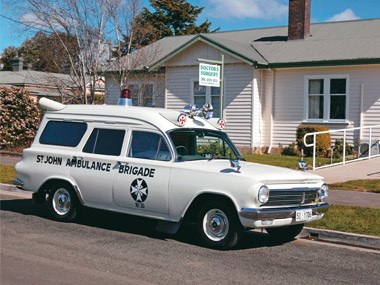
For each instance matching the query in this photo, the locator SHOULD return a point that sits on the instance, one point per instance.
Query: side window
(63, 133)
(105, 141)
(147, 145)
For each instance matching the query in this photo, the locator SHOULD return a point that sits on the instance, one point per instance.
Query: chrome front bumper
(280, 213)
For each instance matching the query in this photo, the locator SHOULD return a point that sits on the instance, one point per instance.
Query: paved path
(354, 198)
(9, 159)
(364, 169)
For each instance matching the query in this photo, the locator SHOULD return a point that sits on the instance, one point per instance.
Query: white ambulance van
(171, 166)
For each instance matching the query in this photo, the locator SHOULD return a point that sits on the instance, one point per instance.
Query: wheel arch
(49, 183)
(190, 213)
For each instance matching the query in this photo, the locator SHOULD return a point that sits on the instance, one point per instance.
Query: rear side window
(63, 133)
(105, 141)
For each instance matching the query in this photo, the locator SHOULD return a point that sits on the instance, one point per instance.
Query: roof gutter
(363, 61)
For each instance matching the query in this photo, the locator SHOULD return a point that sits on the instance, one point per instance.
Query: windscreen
(194, 144)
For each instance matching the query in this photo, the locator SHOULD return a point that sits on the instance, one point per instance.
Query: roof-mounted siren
(50, 105)
(125, 98)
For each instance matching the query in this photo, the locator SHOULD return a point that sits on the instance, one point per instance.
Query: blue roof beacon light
(125, 98)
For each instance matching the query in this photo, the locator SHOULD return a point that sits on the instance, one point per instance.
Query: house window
(326, 98)
(207, 94)
(142, 95)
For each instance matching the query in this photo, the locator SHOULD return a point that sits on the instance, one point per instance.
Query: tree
(89, 22)
(46, 53)
(169, 18)
(6, 57)
(19, 118)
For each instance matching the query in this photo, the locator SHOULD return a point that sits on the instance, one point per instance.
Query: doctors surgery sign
(209, 75)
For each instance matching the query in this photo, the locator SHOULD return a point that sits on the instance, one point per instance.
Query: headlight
(263, 194)
(323, 192)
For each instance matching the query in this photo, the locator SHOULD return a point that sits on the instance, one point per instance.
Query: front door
(141, 181)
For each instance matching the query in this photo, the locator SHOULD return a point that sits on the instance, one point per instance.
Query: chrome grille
(291, 197)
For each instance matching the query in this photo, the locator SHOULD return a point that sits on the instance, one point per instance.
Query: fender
(70, 180)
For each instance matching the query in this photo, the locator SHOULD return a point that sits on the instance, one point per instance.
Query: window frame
(326, 98)
(140, 84)
(208, 96)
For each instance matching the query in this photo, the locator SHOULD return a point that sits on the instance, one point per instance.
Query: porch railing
(367, 148)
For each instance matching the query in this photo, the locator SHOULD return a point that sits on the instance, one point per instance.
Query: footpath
(365, 169)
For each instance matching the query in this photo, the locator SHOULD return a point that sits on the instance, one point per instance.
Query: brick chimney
(17, 63)
(299, 19)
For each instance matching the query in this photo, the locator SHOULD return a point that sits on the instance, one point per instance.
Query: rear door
(93, 169)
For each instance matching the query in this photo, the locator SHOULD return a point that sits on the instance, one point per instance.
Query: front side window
(63, 133)
(105, 142)
(326, 98)
(149, 145)
(195, 144)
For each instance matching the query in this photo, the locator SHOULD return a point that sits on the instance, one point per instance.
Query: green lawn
(7, 173)
(284, 160)
(352, 219)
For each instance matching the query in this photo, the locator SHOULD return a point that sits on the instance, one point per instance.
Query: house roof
(35, 78)
(38, 83)
(333, 43)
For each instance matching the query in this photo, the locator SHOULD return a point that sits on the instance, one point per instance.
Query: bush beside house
(19, 118)
(323, 141)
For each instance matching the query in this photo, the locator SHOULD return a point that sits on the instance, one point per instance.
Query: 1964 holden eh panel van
(171, 166)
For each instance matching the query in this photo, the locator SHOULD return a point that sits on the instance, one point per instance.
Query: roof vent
(51, 105)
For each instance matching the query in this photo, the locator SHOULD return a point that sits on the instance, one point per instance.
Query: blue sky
(235, 15)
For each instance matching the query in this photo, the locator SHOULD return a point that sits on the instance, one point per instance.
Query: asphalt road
(109, 248)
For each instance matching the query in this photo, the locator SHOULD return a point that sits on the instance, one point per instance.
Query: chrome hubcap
(215, 224)
(61, 201)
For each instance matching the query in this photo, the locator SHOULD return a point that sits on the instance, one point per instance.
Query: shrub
(290, 150)
(19, 118)
(338, 149)
(323, 141)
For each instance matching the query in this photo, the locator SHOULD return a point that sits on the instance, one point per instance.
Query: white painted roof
(163, 119)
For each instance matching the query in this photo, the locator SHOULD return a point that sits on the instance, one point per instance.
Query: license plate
(304, 215)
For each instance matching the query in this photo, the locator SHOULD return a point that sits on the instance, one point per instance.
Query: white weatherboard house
(275, 79)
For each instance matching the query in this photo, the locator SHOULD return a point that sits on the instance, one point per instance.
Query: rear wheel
(63, 203)
(218, 226)
(286, 233)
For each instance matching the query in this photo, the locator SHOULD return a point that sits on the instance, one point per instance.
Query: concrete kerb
(320, 234)
(359, 240)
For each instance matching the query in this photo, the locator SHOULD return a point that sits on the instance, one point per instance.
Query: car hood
(259, 172)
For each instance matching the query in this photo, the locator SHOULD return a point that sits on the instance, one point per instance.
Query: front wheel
(286, 233)
(63, 203)
(218, 226)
